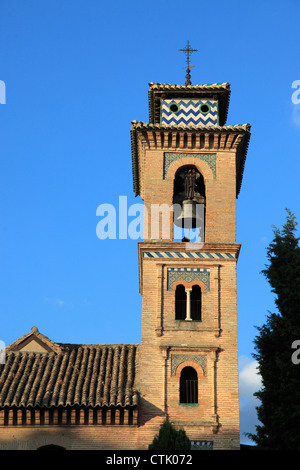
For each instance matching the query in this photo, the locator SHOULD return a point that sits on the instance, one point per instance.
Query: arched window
(188, 303)
(196, 303)
(188, 392)
(180, 302)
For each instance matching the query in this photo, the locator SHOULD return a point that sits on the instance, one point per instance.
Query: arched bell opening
(189, 204)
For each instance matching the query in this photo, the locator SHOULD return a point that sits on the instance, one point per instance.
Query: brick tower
(186, 157)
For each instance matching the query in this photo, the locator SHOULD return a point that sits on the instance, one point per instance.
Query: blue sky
(76, 75)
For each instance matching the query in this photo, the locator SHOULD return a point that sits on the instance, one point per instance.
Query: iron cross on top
(188, 50)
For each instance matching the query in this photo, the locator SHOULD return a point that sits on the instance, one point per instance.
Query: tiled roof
(172, 86)
(83, 375)
(210, 128)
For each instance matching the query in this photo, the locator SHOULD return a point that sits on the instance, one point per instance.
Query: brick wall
(71, 438)
(220, 194)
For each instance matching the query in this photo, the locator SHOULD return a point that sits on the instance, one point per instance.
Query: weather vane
(188, 51)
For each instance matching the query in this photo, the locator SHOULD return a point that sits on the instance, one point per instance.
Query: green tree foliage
(169, 438)
(279, 410)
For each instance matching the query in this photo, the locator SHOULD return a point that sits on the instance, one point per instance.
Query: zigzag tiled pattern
(189, 113)
(192, 254)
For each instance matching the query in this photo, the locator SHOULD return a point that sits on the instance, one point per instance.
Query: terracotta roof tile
(84, 375)
(210, 128)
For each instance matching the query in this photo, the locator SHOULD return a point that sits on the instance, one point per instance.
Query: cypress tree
(279, 409)
(169, 438)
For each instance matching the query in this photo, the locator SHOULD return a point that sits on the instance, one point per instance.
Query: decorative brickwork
(170, 157)
(202, 445)
(188, 254)
(188, 275)
(177, 359)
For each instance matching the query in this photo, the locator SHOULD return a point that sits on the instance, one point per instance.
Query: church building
(187, 168)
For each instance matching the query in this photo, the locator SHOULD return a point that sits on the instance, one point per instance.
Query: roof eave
(139, 127)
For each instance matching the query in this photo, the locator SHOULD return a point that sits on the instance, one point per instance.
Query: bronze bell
(188, 217)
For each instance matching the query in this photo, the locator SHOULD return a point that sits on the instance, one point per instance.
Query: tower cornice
(212, 138)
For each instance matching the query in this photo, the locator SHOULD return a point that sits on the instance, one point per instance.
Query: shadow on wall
(148, 411)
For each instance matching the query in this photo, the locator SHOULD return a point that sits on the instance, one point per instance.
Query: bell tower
(188, 168)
